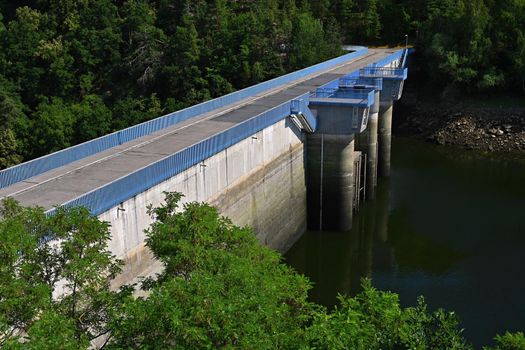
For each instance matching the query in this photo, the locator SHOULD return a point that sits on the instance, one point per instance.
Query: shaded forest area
(73, 70)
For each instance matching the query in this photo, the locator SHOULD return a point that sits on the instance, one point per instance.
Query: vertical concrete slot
(330, 181)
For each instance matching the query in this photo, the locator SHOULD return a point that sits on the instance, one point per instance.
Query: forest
(73, 70)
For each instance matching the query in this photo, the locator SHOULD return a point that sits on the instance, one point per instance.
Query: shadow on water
(448, 225)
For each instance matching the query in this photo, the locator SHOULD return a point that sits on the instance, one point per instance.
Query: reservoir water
(448, 225)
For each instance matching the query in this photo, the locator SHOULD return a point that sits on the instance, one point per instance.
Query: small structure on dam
(331, 177)
(393, 81)
(346, 126)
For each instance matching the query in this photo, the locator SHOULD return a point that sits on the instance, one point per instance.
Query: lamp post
(406, 41)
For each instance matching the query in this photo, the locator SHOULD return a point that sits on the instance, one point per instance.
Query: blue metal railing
(383, 72)
(362, 95)
(40, 165)
(349, 82)
(403, 62)
(389, 59)
(115, 192)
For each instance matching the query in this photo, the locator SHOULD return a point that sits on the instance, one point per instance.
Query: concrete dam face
(259, 182)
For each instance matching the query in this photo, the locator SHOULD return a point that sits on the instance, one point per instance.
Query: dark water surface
(449, 225)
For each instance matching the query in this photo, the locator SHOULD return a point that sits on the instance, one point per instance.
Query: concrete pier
(330, 181)
(385, 137)
(367, 143)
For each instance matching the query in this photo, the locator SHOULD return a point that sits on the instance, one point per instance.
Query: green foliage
(49, 323)
(307, 32)
(374, 320)
(92, 118)
(220, 289)
(79, 69)
(52, 127)
(54, 273)
(8, 149)
(509, 341)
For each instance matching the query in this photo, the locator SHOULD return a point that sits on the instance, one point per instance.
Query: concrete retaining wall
(259, 182)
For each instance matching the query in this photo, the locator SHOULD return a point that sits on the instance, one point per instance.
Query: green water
(448, 224)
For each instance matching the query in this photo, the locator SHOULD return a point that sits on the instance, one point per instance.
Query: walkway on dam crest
(65, 183)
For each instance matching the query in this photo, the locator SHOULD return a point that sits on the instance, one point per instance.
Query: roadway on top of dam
(60, 185)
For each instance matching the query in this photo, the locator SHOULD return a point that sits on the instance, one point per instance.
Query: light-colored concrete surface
(385, 138)
(258, 182)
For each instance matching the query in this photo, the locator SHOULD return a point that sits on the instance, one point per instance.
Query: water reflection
(448, 225)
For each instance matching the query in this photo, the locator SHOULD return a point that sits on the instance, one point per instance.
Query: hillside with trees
(74, 70)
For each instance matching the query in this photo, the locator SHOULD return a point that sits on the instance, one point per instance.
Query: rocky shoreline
(498, 130)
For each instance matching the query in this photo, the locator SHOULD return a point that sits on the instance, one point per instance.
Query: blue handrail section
(395, 73)
(348, 82)
(113, 193)
(40, 165)
(364, 96)
(389, 59)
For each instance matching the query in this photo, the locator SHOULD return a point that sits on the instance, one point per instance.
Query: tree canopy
(220, 289)
(71, 70)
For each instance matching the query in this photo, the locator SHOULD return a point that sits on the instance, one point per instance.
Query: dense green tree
(374, 320)
(182, 74)
(518, 59)
(50, 330)
(509, 341)
(52, 127)
(20, 42)
(8, 149)
(508, 37)
(54, 274)
(457, 44)
(128, 111)
(91, 118)
(306, 31)
(11, 113)
(143, 42)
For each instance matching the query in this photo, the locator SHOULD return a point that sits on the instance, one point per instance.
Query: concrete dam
(301, 150)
